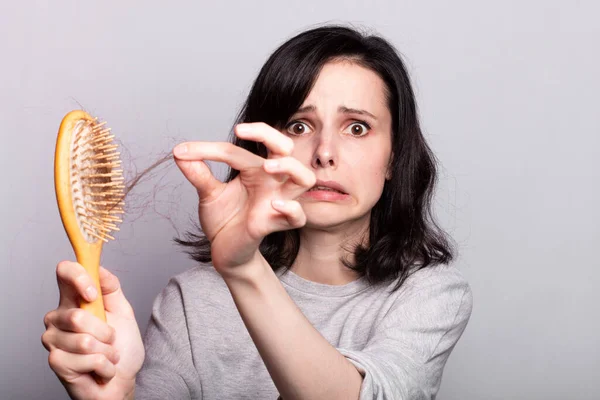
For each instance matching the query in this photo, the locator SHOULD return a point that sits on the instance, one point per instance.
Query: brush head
(95, 181)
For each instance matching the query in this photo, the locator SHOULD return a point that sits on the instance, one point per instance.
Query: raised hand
(237, 215)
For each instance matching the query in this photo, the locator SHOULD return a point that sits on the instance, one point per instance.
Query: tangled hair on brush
(403, 236)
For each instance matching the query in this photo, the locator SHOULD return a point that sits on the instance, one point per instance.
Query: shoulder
(429, 312)
(195, 284)
(445, 277)
(437, 293)
(203, 274)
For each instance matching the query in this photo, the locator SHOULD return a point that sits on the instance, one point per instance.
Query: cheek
(368, 177)
(377, 180)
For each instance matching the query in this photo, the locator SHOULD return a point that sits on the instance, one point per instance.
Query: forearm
(301, 362)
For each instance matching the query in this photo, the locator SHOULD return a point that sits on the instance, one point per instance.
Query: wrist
(130, 392)
(250, 273)
(130, 395)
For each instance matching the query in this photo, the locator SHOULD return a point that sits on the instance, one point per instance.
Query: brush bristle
(97, 182)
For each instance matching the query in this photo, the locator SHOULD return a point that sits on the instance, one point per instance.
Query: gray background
(508, 94)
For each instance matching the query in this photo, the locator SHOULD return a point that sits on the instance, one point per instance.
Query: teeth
(324, 188)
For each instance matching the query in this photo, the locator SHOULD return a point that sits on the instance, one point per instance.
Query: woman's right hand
(93, 359)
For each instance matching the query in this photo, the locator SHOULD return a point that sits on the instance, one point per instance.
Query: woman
(324, 275)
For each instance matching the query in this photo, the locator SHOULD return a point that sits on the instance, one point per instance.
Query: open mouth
(325, 189)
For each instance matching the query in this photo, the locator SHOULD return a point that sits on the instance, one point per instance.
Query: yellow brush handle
(89, 258)
(88, 255)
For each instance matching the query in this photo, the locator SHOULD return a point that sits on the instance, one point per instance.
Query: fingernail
(278, 203)
(180, 149)
(91, 293)
(272, 164)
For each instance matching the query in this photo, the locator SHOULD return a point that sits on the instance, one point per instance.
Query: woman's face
(342, 132)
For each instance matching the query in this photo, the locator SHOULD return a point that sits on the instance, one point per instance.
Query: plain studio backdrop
(508, 97)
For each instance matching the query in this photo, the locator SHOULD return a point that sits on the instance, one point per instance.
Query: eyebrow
(342, 109)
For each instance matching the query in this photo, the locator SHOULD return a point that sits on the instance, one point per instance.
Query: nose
(324, 155)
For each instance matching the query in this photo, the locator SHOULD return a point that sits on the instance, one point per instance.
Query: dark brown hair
(403, 235)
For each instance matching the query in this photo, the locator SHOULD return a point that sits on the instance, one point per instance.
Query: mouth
(324, 189)
(328, 186)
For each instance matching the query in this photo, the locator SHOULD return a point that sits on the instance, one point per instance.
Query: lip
(326, 195)
(332, 185)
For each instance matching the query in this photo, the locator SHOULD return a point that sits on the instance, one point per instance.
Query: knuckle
(85, 344)
(303, 219)
(81, 280)
(76, 317)
(298, 215)
(61, 268)
(54, 359)
(300, 222)
(99, 361)
(227, 148)
(48, 318)
(46, 340)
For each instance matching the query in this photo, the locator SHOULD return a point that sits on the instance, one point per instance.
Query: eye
(297, 128)
(359, 128)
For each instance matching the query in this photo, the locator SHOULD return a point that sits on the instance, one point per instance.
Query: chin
(321, 217)
(322, 223)
(324, 218)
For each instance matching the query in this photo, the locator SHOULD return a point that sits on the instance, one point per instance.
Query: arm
(403, 358)
(301, 362)
(406, 352)
(235, 217)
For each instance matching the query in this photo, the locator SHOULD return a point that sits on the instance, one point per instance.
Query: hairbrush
(89, 190)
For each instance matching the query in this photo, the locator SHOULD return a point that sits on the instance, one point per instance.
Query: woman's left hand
(237, 215)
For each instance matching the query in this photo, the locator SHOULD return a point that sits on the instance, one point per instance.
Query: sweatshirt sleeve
(406, 353)
(168, 371)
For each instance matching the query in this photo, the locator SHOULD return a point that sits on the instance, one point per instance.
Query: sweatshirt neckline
(322, 289)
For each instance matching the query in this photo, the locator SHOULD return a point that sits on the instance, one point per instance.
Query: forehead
(349, 84)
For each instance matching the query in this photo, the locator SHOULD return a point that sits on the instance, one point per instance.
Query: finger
(229, 153)
(78, 343)
(73, 283)
(292, 212)
(114, 298)
(207, 185)
(47, 339)
(49, 317)
(200, 176)
(69, 366)
(302, 177)
(275, 141)
(77, 320)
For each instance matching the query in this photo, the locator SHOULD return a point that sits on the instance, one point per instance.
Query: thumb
(113, 296)
(199, 174)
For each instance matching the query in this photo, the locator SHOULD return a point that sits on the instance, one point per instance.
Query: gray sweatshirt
(197, 346)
